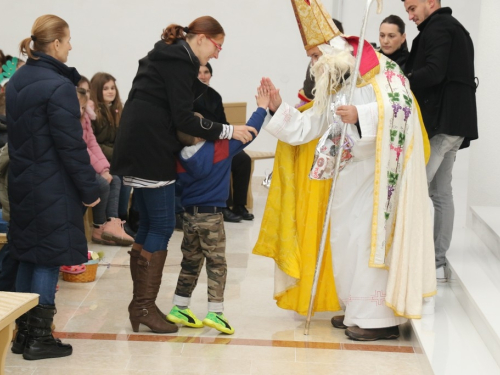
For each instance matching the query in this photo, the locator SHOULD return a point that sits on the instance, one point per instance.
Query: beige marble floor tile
(239, 352)
(260, 367)
(85, 371)
(97, 360)
(16, 361)
(167, 364)
(19, 370)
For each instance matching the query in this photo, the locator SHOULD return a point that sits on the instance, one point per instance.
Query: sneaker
(243, 212)
(440, 275)
(184, 317)
(113, 231)
(219, 322)
(97, 231)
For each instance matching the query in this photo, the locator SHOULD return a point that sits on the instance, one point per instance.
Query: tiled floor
(93, 317)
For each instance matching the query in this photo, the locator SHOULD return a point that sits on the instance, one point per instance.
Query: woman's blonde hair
(45, 30)
(113, 112)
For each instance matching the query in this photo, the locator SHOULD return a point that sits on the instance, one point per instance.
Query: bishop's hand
(275, 96)
(348, 114)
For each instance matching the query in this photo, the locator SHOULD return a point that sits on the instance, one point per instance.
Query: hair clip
(33, 38)
(186, 29)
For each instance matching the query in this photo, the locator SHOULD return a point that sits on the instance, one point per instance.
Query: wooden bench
(236, 114)
(12, 306)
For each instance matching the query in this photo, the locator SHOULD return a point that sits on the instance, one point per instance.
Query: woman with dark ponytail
(50, 179)
(160, 103)
(392, 38)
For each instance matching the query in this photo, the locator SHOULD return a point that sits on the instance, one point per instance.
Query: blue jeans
(157, 213)
(109, 194)
(35, 278)
(439, 174)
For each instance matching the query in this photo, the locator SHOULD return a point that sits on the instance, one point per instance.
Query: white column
(484, 168)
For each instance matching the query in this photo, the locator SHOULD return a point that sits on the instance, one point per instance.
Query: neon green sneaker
(184, 317)
(219, 322)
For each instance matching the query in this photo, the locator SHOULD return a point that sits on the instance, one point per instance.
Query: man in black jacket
(441, 73)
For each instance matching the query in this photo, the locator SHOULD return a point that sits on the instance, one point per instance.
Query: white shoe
(440, 275)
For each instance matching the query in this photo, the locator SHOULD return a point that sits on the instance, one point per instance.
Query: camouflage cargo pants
(204, 237)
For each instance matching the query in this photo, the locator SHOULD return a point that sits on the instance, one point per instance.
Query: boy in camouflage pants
(204, 171)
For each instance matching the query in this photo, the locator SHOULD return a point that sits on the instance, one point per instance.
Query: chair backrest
(236, 113)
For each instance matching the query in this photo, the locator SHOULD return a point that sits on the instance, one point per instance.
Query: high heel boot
(134, 256)
(148, 280)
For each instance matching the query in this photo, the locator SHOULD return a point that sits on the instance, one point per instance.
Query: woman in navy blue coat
(50, 179)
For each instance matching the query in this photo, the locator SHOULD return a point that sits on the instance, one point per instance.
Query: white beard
(330, 71)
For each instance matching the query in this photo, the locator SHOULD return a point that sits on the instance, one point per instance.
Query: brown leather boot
(148, 280)
(134, 256)
(372, 334)
(338, 322)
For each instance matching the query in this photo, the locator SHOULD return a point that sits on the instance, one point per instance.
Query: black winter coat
(441, 73)
(49, 173)
(160, 102)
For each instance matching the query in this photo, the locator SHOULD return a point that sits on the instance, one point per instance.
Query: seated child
(107, 228)
(204, 171)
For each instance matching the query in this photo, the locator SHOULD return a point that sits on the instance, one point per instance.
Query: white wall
(484, 172)
(262, 39)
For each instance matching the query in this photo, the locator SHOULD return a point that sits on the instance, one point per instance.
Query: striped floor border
(235, 341)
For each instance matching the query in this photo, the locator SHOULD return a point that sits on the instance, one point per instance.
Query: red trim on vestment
(369, 60)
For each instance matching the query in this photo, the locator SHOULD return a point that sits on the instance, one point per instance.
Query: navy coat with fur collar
(49, 173)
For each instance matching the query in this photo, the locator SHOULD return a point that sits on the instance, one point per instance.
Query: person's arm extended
(255, 121)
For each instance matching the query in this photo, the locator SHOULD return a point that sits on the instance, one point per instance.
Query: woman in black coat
(50, 179)
(392, 38)
(160, 103)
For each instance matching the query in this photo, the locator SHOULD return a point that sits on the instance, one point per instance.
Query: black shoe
(230, 216)
(41, 344)
(364, 334)
(243, 212)
(338, 322)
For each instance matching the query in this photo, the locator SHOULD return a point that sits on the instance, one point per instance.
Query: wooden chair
(12, 306)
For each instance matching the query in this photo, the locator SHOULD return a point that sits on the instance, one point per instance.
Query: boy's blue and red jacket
(205, 175)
